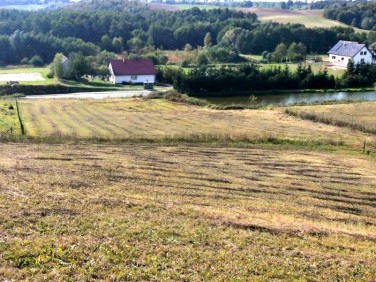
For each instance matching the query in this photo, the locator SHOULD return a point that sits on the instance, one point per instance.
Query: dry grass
(183, 212)
(140, 118)
(216, 212)
(359, 116)
(309, 18)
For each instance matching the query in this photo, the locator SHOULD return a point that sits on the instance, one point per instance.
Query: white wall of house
(364, 54)
(342, 61)
(150, 78)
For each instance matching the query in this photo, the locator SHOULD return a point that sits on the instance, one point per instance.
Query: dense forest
(361, 15)
(119, 25)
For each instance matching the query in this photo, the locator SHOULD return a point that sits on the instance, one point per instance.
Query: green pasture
(8, 117)
(316, 67)
(43, 71)
(24, 7)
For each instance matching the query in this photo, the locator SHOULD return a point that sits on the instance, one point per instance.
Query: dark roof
(346, 48)
(132, 67)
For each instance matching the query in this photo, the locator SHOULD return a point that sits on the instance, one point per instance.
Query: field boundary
(329, 121)
(19, 119)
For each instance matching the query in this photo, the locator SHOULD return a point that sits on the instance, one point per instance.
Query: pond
(293, 98)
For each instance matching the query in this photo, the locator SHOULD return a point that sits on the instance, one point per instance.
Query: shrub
(184, 98)
(202, 59)
(24, 61)
(185, 64)
(36, 61)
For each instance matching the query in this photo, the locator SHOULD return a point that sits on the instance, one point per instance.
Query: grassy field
(24, 7)
(309, 18)
(8, 117)
(159, 119)
(316, 67)
(143, 212)
(20, 71)
(190, 6)
(359, 116)
(179, 209)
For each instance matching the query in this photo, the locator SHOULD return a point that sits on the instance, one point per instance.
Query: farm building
(65, 65)
(133, 71)
(343, 51)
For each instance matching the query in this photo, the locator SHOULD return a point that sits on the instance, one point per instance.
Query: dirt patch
(21, 77)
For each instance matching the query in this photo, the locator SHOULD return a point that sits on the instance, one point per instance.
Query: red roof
(132, 67)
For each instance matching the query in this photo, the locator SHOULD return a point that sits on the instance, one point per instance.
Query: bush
(184, 98)
(185, 64)
(36, 61)
(24, 61)
(50, 73)
(202, 59)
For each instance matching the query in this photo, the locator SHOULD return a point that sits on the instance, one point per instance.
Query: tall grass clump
(328, 120)
(175, 96)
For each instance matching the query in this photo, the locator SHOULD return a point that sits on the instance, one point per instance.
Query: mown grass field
(143, 212)
(18, 71)
(309, 18)
(179, 209)
(160, 119)
(355, 115)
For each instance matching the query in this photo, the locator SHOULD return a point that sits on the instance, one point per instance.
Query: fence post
(19, 119)
(364, 146)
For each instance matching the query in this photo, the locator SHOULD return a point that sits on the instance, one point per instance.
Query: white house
(343, 51)
(133, 71)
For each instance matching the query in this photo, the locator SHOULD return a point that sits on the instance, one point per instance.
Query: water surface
(294, 98)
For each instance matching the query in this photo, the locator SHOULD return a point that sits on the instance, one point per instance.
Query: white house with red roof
(133, 71)
(343, 51)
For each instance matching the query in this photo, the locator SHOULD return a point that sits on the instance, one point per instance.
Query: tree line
(227, 80)
(361, 15)
(123, 26)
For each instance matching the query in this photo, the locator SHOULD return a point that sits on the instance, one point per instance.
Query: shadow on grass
(87, 83)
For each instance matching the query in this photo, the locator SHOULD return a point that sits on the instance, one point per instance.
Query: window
(342, 58)
(364, 53)
(362, 60)
(333, 57)
(134, 77)
(361, 53)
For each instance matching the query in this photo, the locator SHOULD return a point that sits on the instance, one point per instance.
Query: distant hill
(361, 15)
